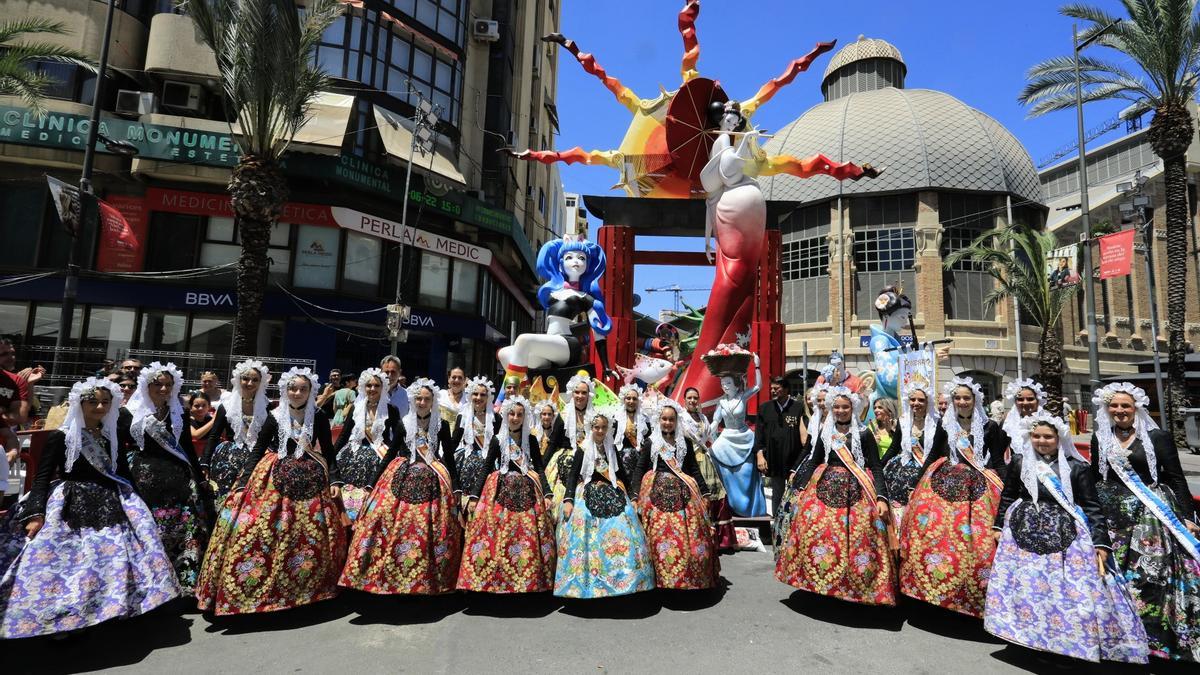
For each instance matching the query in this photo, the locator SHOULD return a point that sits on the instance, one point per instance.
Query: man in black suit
(779, 438)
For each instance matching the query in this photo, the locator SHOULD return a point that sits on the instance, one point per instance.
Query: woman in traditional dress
(1048, 588)
(1151, 519)
(368, 433)
(698, 432)
(945, 547)
(510, 544)
(838, 541)
(281, 539)
(240, 417)
(733, 448)
(166, 472)
(408, 538)
(673, 498)
(93, 552)
(573, 430)
(917, 434)
(602, 549)
(475, 426)
(630, 429)
(1024, 398)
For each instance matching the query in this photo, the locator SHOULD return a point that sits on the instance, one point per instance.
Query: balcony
(175, 48)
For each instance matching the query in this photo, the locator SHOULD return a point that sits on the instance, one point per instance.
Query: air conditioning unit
(485, 30)
(130, 102)
(182, 96)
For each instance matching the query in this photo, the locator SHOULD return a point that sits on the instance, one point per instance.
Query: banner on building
(122, 234)
(1062, 266)
(385, 229)
(1116, 254)
(66, 202)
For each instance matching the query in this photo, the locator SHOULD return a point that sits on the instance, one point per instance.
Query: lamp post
(1089, 291)
(1136, 207)
(86, 197)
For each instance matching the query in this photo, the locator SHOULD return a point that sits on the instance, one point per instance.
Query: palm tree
(1016, 257)
(17, 78)
(1162, 38)
(264, 51)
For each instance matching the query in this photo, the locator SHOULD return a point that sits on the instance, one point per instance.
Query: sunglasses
(128, 386)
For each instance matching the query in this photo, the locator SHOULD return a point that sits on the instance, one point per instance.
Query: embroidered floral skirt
(1163, 579)
(558, 468)
(226, 465)
(407, 540)
(510, 543)
(1045, 592)
(678, 532)
(836, 543)
(602, 549)
(946, 544)
(278, 544)
(73, 575)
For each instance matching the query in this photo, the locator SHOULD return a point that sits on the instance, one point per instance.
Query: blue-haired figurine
(572, 269)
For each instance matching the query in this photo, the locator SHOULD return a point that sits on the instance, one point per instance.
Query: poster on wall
(1116, 254)
(1062, 266)
(123, 227)
(317, 257)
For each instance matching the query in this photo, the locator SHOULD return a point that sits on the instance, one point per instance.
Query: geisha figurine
(572, 269)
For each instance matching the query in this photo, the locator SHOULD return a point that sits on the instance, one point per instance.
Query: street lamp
(1089, 291)
(86, 196)
(1136, 209)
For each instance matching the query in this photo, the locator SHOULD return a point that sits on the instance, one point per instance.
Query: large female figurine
(602, 550)
(918, 433)
(510, 542)
(696, 427)
(572, 269)
(1048, 588)
(945, 547)
(369, 431)
(1151, 519)
(838, 543)
(673, 499)
(733, 448)
(93, 552)
(475, 426)
(240, 417)
(281, 539)
(408, 538)
(165, 470)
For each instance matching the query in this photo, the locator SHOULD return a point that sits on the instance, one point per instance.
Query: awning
(396, 132)
(328, 125)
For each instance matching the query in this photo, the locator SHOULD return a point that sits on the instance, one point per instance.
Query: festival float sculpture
(733, 447)
(695, 142)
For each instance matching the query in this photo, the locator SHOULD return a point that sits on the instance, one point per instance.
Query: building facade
(466, 265)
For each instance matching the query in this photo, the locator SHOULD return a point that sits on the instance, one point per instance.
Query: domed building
(951, 172)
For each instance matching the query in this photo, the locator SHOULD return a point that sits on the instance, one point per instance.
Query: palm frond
(31, 25)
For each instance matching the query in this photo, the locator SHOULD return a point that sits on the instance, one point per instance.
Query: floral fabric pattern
(509, 550)
(602, 557)
(402, 546)
(1057, 602)
(270, 551)
(946, 546)
(228, 461)
(837, 547)
(70, 578)
(678, 532)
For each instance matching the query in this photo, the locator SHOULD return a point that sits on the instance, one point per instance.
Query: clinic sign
(386, 229)
(153, 141)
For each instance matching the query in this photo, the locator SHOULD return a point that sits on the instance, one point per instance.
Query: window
(804, 265)
(111, 329)
(805, 258)
(317, 257)
(221, 245)
(45, 324)
(172, 243)
(13, 318)
(435, 280)
(18, 230)
(890, 250)
(211, 335)
(164, 331)
(364, 256)
(884, 247)
(464, 293)
(964, 218)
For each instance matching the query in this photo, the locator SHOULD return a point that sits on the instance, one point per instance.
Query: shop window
(364, 256)
(172, 243)
(45, 324)
(464, 294)
(163, 331)
(211, 335)
(13, 318)
(317, 257)
(21, 208)
(435, 280)
(110, 329)
(220, 245)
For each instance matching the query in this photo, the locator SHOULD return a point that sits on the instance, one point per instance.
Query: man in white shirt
(397, 395)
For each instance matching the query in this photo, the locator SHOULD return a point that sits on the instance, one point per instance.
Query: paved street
(756, 624)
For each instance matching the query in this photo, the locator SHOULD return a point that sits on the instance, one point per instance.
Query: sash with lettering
(1119, 462)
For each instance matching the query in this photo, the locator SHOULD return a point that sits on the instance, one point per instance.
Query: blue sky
(976, 51)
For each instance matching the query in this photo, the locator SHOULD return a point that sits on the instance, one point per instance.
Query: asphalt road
(753, 624)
